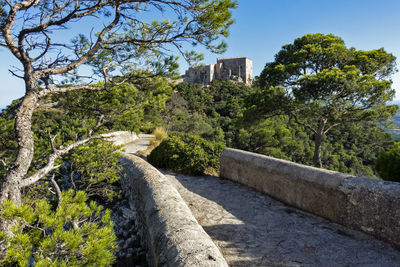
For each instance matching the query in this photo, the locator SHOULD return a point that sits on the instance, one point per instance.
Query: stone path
(139, 144)
(252, 229)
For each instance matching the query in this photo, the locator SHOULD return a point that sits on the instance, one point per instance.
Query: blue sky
(263, 26)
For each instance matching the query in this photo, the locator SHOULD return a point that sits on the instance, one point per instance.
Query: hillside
(396, 131)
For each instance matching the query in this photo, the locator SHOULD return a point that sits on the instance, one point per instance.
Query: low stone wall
(372, 206)
(122, 137)
(173, 235)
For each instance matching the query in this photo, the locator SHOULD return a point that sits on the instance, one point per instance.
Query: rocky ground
(130, 251)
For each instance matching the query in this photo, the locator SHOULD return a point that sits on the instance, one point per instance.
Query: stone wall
(239, 69)
(173, 235)
(122, 137)
(201, 74)
(236, 69)
(369, 205)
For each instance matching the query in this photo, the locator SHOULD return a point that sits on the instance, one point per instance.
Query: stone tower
(238, 69)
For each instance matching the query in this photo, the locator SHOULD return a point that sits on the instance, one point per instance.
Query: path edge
(369, 205)
(172, 235)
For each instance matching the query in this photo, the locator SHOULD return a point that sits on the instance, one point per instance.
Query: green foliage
(351, 148)
(94, 169)
(72, 116)
(67, 118)
(206, 111)
(248, 119)
(119, 108)
(275, 137)
(187, 154)
(388, 164)
(354, 148)
(75, 234)
(323, 84)
(8, 144)
(394, 129)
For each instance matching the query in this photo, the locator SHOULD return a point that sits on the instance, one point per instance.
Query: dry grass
(211, 171)
(159, 134)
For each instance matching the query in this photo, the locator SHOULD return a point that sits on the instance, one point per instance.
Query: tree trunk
(319, 135)
(11, 187)
(23, 127)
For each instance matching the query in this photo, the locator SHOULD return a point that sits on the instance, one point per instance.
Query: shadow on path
(252, 229)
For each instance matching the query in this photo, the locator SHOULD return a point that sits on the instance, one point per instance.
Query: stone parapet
(122, 137)
(172, 234)
(369, 205)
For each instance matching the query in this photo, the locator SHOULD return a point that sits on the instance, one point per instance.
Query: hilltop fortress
(238, 69)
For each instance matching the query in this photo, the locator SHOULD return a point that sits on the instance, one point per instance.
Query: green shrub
(95, 170)
(74, 234)
(187, 154)
(147, 128)
(388, 164)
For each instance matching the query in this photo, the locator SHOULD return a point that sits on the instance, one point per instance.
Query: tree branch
(4, 163)
(57, 188)
(56, 155)
(92, 51)
(302, 123)
(52, 139)
(6, 29)
(59, 90)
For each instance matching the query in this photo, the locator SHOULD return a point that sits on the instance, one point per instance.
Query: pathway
(252, 229)
(139, 144)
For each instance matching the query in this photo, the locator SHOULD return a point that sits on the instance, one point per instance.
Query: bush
(94, 168)
(388, 164)
(147, 128)
(75, 234)
(187, 154)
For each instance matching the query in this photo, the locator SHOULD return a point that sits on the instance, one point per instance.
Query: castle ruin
(238, 69)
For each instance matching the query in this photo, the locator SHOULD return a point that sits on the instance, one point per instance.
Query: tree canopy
(126, 35)
(322, 84)
(388, 164)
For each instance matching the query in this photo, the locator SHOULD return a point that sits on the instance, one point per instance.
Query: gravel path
(252, 229)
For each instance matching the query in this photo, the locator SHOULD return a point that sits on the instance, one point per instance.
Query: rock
(128, 213)
(130, 252)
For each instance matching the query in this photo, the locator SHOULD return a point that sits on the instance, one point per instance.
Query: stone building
(238, 69)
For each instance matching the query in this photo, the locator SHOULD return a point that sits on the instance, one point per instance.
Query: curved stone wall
(369, 205)
(122, 137)
(173, 235)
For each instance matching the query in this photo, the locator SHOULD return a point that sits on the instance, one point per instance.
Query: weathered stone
(234, 69)
(126, 231)
(364, 204)
(128, 213)
(123, 137)
(173, 236)
(256, 230)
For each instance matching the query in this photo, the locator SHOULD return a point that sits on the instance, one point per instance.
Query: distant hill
(396, 131)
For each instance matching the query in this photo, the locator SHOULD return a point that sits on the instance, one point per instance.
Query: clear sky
(263, 26)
